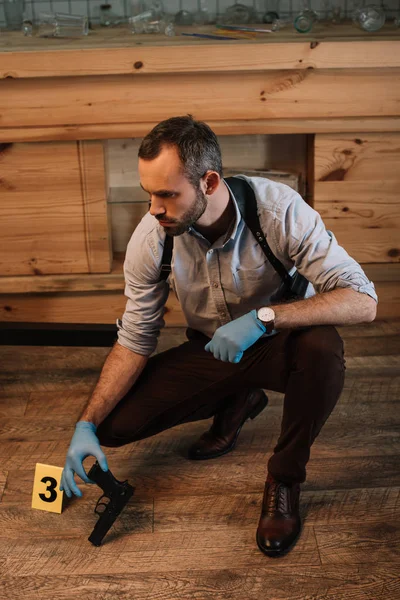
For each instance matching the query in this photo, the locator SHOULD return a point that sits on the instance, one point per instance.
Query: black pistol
(118, 492)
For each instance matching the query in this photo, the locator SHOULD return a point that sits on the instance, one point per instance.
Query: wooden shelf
(114, 281)
(99, 298)
(118, 52)
(96, 282)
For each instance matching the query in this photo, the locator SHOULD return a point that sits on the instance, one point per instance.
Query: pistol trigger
(99, 503)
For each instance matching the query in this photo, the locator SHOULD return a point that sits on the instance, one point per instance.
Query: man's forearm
(341, 306)
(120, 371)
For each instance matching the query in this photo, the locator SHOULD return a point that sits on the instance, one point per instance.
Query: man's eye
(166, 195)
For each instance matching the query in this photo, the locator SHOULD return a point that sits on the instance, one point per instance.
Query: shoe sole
(279, 553)
(254, 413)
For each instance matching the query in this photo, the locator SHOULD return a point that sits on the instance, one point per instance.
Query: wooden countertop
(328, 46)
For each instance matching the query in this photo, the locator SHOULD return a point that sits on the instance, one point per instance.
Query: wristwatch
(267, 317)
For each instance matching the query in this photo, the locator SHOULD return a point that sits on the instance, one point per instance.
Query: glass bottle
(271, 11)
(202, 16)
(107, 17)
(304, 21)
(183, 17)
(371, 17)
(278, 24)
(137, 7)
(27, 27)
(337, 14)
(239, 14)
(141, 23)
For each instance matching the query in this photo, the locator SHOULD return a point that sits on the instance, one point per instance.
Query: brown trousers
(186, 384)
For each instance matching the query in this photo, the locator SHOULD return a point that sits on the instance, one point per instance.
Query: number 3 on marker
(46, 488)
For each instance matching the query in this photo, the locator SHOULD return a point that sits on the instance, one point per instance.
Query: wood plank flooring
(189, 530)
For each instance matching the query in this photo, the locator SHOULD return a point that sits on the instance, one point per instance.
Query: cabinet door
(356, 191)
(53, 209)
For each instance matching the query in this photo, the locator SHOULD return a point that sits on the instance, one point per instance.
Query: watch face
(266, 314)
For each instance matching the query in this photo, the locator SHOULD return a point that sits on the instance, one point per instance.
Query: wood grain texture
(104, 307)
(102, 282)
(116, 52)
(331, 582)
(356, 183)
(16, 519)
(366, 542)
(91, 307)
(379, 273)
(53, 213)
(189, 531)
(144, 553)
(174, 475)
(336, 507)
(309, 93)
(3, 481)
(96, 212)
(130, 129)
(13, 406)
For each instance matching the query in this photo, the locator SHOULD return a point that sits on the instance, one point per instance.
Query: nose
(156, 207)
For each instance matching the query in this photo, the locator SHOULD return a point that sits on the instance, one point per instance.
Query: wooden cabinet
(337, 88)
(356, 191)
(53, 209)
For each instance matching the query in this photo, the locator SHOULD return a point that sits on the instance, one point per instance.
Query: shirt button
(215, 285)
(210, 252)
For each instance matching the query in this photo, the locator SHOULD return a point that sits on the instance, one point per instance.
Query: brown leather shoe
(222, 436)
(280, 523)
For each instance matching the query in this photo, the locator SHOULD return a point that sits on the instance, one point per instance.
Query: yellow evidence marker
(46, 493)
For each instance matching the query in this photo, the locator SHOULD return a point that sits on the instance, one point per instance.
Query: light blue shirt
(216, 283)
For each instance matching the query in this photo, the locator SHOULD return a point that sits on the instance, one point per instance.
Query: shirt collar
(231, 235)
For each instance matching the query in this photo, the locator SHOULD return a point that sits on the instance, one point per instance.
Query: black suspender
(294, 287)
(166, 258)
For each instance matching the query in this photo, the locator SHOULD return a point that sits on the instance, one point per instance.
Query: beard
(193, 214)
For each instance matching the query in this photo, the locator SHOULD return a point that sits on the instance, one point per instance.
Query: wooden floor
(189, 531)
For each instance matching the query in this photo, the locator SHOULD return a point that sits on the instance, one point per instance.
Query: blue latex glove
(84, 443)
(231, 340)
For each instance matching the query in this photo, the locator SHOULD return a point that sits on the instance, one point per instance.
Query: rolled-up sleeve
(315, 252)
(146, 295)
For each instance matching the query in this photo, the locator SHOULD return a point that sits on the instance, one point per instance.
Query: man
(241, 337)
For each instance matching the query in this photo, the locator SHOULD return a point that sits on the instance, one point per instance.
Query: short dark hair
(195, 141)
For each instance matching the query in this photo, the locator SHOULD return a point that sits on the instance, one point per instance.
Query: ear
(211, 182)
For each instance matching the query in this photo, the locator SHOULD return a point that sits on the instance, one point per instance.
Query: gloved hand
(231, 340)
(84, 443)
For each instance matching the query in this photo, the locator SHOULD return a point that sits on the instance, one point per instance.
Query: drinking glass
(304, 21)
(278, 24)
(62, 25)
(202, 16)
(184, 17)
(107, 17)
(141, 22)
(239, 14)
(271, 9)
(370, 17)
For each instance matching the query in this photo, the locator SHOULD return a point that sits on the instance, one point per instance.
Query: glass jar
(107, 17)
(304, 21)
(239, 14)
(202, 16)
(370, 18)
(271, 11)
